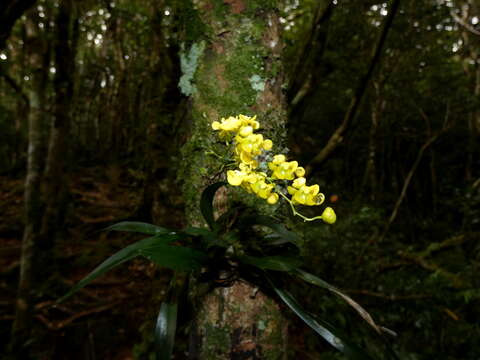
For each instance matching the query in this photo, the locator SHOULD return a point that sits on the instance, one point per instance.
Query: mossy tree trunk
(231, 64)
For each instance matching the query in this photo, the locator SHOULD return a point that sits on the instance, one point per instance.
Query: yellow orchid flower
(249, 148)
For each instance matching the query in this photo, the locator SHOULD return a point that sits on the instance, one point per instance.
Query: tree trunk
(55, 184)
(236, 70)
(36, 49)
(370, 177)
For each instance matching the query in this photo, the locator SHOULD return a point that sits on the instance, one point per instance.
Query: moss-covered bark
(238, 322)
(232, 66)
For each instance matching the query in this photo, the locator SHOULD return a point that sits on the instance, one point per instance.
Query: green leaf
(196, 231)
(277, 263)
(314, 280)
(138, 227)
(333, 335)
(207, 238)
(120, 257)
(206, 203)
(165, 330)
(175, 257)
(279, 229)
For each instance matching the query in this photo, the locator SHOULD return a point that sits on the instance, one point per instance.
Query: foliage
(232, 244)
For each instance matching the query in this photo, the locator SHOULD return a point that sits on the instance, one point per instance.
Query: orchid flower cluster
(266, 175)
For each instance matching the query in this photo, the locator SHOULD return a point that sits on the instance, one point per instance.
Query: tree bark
(236, 70)
(36, 49)
(55, 184)
(370, 177)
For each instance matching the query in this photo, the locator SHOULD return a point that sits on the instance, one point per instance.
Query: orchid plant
(241, 242)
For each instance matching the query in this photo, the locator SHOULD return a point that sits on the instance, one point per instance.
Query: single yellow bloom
(262, 189)
(278, 159)
(230, 124)
(299, 182)
(250, 121)
(300, 171)
(245, 131)
(272, 199)
(216, 125)
(235, 177)
(246, 158)
(329, 215)
(306, 195)
(267, 144)
(284, 171)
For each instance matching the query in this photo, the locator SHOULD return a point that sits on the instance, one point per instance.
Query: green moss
(254, 6)
(219, 9)
(194, 29)
(217, 341)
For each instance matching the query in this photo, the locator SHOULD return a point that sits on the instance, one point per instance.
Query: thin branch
(391, 297)
(410, 174)
(406, 183)
(463, 23)
(430, 266)
(337, 136)
(312, 50)
(63, 323)
(13, 84)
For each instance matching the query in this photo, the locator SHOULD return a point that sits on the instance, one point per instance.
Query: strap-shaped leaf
(279, 229)
(206, 203)
(138, 227)
(207, 237)
(120, 257)
(277, 263)
(314, 280)
(165, 330)
(175, 257)
(333, 335)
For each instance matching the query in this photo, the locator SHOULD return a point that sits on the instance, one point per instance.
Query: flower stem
(295, 212)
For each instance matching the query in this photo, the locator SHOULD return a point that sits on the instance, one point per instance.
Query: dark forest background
(384, 111)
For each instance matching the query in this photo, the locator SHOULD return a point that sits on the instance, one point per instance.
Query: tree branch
(310, 54)
(338, 135)
(13, 84)
(463, 23)
(409, 177)
(10, 12)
